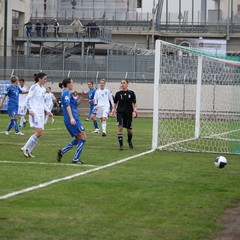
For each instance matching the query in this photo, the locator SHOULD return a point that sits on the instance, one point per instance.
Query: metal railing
(101, 33)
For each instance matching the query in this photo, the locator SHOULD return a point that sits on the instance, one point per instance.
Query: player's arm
(69, 111)
(49, 113)
(110, 97)
(55, 100)
(114, 106)
(95, 100)
(25, 92)
(134, 105)
(2, 100)
(28, 102)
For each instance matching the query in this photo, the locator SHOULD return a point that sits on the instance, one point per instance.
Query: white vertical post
(198, 97)
(157, 66)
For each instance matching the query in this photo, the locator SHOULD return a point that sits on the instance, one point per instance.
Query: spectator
(77, 27)
(28, 27)
(56, 28)
(38, 28)
(44, 29)
(93, 29)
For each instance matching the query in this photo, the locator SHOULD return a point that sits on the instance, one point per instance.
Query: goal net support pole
(156, 94)
(198, 97)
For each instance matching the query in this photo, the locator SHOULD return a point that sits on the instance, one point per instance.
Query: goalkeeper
(126, 108)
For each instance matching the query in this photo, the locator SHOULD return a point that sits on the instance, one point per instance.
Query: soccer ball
(220, 162)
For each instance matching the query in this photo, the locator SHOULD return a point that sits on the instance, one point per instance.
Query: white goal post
(196, 102)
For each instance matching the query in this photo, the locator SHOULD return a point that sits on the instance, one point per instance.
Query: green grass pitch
(159, 196)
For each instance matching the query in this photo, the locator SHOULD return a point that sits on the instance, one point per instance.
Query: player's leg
(130, 135)
(128, 125)
(81, 138)
(11, 114)
(46, 118)
(14, 117)
(38, 124)
(120, 130)
(104, 118)
(94, 119)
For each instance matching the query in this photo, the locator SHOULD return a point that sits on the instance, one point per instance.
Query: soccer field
(160, 195)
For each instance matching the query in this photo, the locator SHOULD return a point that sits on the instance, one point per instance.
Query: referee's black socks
(130, 138)
(120, 139)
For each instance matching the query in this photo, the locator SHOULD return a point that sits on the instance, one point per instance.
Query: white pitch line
(45, 163)
(28, 130)
(42, 185)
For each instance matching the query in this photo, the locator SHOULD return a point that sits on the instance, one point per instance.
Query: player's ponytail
(65, 82)
(38, 76)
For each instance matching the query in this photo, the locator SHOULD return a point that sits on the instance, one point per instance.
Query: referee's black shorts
(124, 119)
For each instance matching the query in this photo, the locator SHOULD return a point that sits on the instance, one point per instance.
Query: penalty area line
(45, 163)
(42, 185)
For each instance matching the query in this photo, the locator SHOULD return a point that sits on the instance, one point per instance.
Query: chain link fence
(130, 63)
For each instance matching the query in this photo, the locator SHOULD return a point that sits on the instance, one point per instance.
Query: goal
(196, 103)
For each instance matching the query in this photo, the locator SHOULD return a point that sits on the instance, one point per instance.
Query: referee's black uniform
(124, 101)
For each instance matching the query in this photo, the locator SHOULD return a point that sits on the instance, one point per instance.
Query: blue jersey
(91, 94)
(12, 92)
(67, 99)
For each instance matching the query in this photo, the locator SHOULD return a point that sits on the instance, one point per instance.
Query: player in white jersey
(22, 108)
(102, 99)
(50, 99)
(37, 108)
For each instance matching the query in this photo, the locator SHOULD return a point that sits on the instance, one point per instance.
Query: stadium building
(9, 11)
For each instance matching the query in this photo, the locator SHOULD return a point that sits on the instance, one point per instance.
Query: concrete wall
(20, 6)
(175, 97)
(144, 92)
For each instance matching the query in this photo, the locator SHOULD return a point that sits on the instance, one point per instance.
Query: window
(238, 8)
(45, 5)
(139, 3)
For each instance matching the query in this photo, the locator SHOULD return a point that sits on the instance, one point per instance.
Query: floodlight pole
(5, 34)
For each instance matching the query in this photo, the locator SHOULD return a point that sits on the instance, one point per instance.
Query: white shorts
(103, 112)
(50, 107)
(36, 121)
(22, 110)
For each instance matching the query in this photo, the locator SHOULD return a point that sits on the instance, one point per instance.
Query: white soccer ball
(220, 162)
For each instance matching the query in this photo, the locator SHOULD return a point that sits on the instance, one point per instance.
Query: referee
(126, 108)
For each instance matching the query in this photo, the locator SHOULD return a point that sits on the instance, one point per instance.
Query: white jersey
(102, 97)
(49, 98)
(36, 100)
(22, 97)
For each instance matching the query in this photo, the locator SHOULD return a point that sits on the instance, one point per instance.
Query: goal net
(196, 104)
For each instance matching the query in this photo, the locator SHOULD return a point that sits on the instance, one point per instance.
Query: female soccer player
(22, 108)
(50, 99)
(36, 106)
(126, 107)
(92, 111)
(102, 100)
(13, 94)
(71, 121)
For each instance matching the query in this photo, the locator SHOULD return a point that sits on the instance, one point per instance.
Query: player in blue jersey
(90, 100)
(71, 121)
(12, 92)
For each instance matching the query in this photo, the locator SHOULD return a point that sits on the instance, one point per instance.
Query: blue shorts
(92, 110)
(74, 130)
(12, 111)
